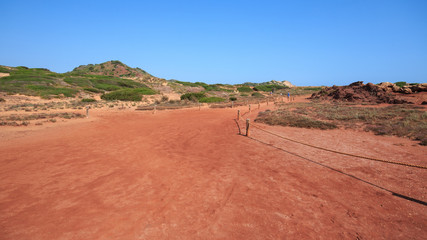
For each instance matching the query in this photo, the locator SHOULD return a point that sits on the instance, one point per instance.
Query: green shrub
(312, 88)
(188, 84)
(45, 91)
(208, 87)
(211, 99)
(165, 98)
(400, 84)
(2, 100)
(269, 88)
(88, 100)
(244, 89)
(257, 95)
(94, 90)
(193, 96)
(81, 82)
(134, 94)
(233, 98)
(107, 87)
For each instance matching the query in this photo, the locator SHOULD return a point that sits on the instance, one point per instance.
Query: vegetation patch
(400, 84)
(106, 86)
(244, 89)
(398, 120)
(257, 95)
(14, 119)
(207, 87)
(4, 70)
(269, 88)
(46, 91)
(88, 100)
(135, 94)
(193, 96)
(211, 99)
(94, 90)
(286, 118)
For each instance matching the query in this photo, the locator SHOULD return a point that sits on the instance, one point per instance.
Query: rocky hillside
(358, 92)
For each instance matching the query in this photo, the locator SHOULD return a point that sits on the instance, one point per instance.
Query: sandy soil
(4, 75)
(188, 174)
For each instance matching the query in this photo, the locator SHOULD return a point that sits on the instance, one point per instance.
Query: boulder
(405, 90)
(422, 87)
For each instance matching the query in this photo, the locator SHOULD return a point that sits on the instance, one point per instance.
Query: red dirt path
(187, 174)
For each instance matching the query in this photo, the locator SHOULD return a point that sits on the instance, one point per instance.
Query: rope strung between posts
(342, 153)
(337, 152)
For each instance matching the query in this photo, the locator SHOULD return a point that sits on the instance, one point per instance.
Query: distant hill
(112, 68)
(272, 82)
(114, 79)
(82, 81)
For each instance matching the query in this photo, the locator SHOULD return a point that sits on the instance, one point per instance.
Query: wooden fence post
(238, 115)
(232, 104)
(87, 111)
(267, 101)
(247, 127)
(155, 108)
(259, 105)
(249, 108)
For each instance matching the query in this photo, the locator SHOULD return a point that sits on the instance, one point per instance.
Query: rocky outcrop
(359, 92)
(280, 83)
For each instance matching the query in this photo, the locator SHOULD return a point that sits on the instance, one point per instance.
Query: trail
(188, 174)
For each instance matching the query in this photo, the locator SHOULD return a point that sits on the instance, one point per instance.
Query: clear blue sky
(319, 42)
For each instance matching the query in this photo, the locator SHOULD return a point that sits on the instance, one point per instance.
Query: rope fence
(248, 125)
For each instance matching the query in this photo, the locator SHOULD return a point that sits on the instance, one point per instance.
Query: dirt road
(187, 174)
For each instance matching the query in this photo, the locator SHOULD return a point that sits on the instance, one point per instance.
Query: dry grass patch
(398, 120)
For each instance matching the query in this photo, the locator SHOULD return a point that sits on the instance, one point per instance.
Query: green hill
(116, 81)
(112, 68)
(44, 83)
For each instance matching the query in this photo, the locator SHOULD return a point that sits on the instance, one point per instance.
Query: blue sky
(320, 42)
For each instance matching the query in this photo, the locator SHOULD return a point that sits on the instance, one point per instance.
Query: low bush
(269, 88)
(46, 91)
(257, 95)
(312, 88)
(165, 98)
(244, 89)
(211, 99)
(106, 87)
(134, 94)
(233, 98)
(94, 90)
(400, 84)
(193, 96)
(88, 100)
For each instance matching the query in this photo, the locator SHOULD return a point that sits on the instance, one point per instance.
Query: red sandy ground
(187, 174)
